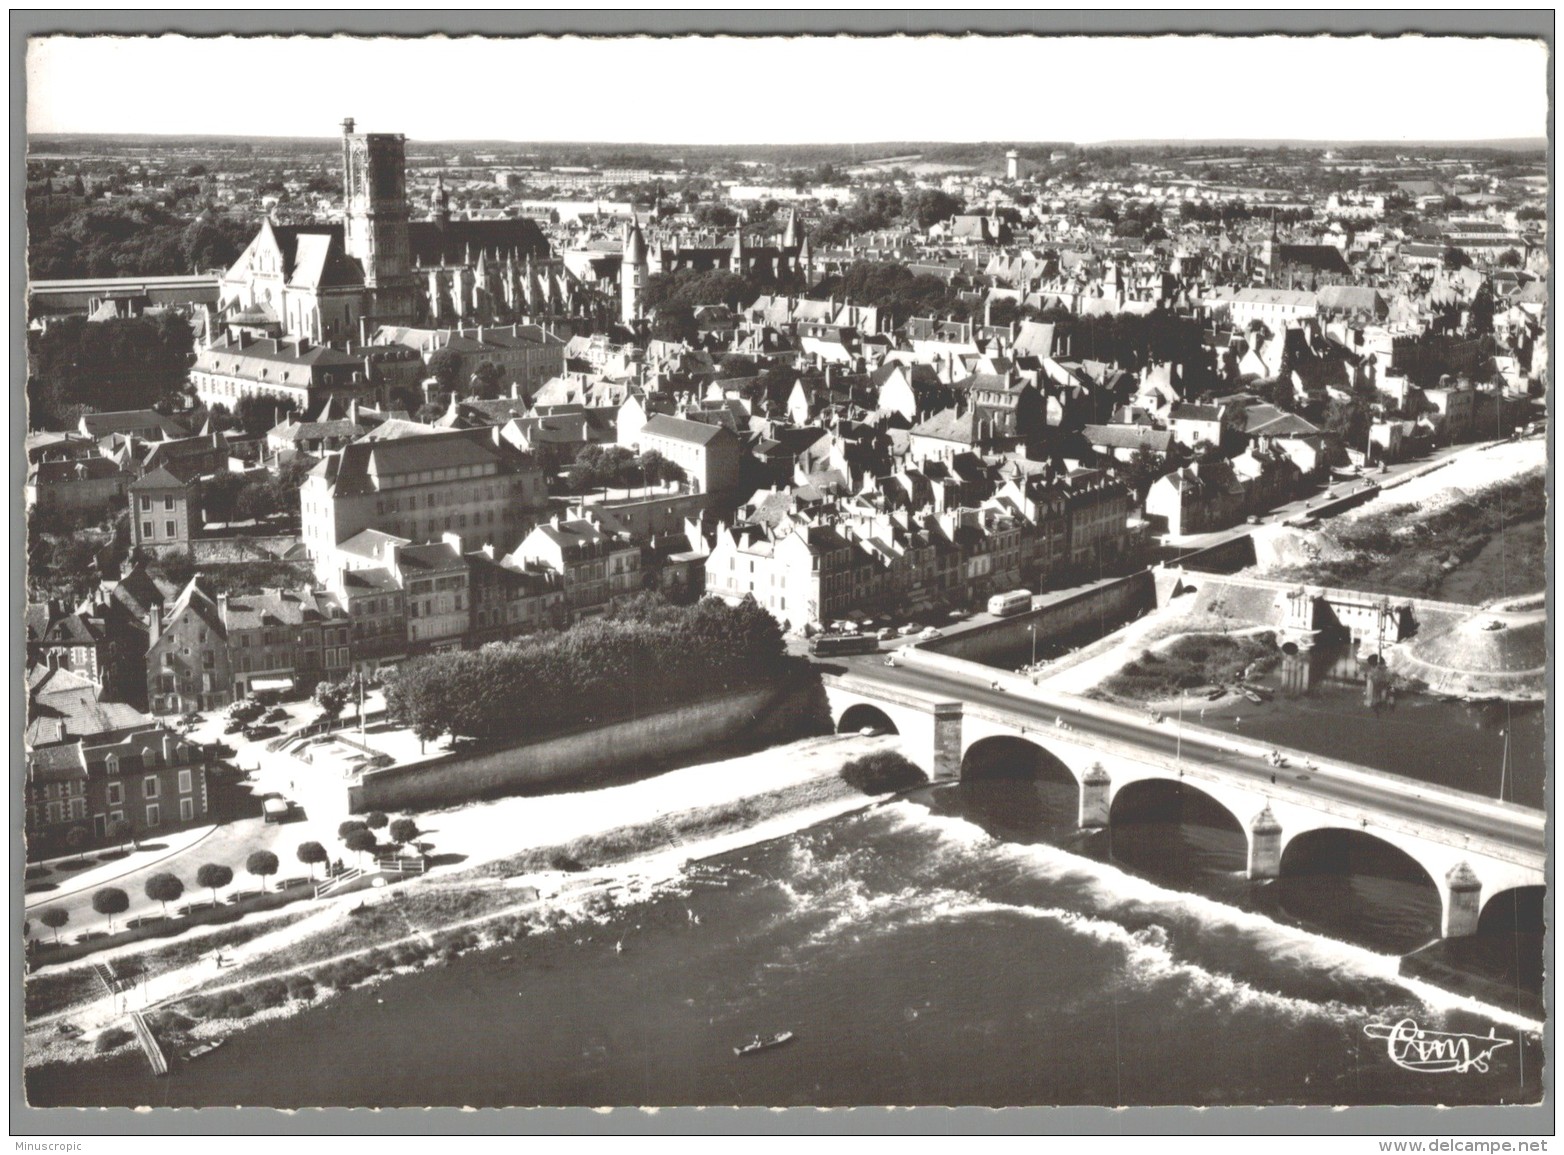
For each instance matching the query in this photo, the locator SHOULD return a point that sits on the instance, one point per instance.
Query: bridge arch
(865, 716)
(1355, 880)
(1013, 786)
(1167, 824)
(1521, 909)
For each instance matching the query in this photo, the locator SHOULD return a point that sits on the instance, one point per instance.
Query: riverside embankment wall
(768, 713)
(1106, 606)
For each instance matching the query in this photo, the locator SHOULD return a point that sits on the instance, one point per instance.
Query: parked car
(887, 634)
(256, 733)
(275, 714)
(234, 726)
(931, 633)
(908, 630)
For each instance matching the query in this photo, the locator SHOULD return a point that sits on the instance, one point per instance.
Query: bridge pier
(947, 741)
(1095, 798)
(1265, 845)
(1462, 901)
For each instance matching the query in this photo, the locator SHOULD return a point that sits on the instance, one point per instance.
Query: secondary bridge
(946, 710)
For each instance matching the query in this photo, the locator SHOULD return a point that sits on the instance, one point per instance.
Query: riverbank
(1470, 531)
(494, 894)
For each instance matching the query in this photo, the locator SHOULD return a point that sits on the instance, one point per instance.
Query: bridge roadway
(1516, 828)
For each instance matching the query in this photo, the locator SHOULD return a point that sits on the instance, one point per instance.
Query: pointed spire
(790, 237)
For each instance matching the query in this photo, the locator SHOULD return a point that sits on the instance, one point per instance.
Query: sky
(721, 90)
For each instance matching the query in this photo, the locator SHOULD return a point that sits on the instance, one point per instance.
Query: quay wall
(1109, 605)
(766, 713)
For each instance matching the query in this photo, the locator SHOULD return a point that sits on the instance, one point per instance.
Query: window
(168, 504)
(154, 815)
(168, 529)
(149, 786)
(146, 504)
(146, 531)
(114, 794)
(184, 782)
(186, 809)
(116, 815)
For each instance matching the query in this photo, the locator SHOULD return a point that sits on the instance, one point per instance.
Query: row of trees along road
(166, 887)
(646, 653)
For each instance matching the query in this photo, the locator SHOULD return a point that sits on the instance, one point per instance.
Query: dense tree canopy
(138, 240)
(646, 656)
(127, 363)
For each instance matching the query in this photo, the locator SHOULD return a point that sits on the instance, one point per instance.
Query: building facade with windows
(471, 483)
(152, 779)
(163, 513)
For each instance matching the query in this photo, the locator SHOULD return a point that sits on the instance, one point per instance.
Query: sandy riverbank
(696, 811)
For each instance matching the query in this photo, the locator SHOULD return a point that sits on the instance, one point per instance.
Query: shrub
(301, 992)
(240, 1010)
(882, 772)
(563, 861)
(198, 1007)
(111, 1039)
(267, 993)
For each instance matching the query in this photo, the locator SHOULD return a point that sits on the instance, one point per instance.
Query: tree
(219, 495)
(1511, 259)
(349, 827)
(54, 917)
(376, 820)
(76, 837)
(312, 854)
(214, 876)
(119, 830)
(925, 207)
(445, 366)
(403, 831)
(110, 901)
(164, 887)
(331, 697)
(656, 469)
(361, 841)
(259, 415)
(262, 864)
(487, 380)
(674, 322)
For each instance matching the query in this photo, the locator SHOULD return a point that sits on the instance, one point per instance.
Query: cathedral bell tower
(374, 187)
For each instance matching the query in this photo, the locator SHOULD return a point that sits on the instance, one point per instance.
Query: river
(959, 946)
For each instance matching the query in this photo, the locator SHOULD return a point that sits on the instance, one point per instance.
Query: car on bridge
(931, 633)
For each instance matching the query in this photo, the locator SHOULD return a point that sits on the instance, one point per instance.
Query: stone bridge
(1471, 849)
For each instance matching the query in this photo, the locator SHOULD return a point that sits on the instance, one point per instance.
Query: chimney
(363, 330)
(222, 608)
(168, 746)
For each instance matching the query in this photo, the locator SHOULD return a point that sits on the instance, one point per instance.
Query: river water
(960, 946)
(1319, 706)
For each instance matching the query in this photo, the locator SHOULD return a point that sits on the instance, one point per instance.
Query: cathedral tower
(374, 187)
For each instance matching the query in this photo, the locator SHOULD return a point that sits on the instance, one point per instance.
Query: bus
(828, 644)
(1014, 602)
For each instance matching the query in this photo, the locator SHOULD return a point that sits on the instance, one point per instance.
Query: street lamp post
(1032, 629)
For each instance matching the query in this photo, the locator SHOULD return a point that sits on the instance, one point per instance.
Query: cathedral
(336, 283)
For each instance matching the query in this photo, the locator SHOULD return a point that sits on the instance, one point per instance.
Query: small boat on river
(1216, 693)
(1256, 696)
(764, 1044)
(204, 1048)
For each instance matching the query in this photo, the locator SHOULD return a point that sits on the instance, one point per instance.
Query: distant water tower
(1012, 165)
